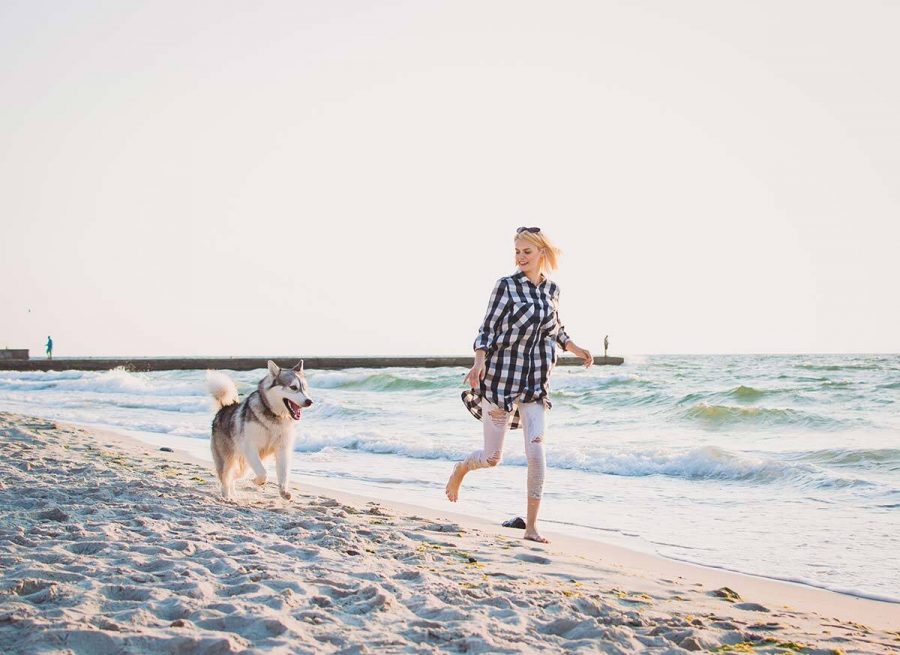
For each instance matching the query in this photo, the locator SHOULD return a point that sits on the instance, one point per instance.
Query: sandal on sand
(514, 523)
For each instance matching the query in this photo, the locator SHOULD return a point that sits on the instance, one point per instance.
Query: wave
(570, 381)
(577, 399)
(446, 380)
(146, 425)
(328, 410)
(115, 381)
(721, 415)
(710, 463)
(372, 442)
(383, 380)
(705, 463)
(191, 406)
(45, 375)
(741, 393)
(874, 366)
(26, 385)
(160, 427)
(868, 457)
(747, 393)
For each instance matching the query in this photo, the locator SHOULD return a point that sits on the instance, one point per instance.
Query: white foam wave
(116, 381)
(705, 463)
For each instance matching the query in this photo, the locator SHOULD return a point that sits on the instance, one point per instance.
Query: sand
(108, 545)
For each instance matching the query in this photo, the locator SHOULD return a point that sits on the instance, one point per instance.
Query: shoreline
(580, 544)
(884, 610)
(322, 487)
(423, 580)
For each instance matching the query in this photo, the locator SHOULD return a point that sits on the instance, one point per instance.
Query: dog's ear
(273, 369)
(299, 367)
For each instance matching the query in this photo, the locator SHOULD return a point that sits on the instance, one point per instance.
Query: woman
(515, 351)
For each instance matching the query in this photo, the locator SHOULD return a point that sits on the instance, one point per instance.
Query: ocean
(784, 466)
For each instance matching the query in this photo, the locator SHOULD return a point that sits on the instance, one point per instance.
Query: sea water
(781, 466)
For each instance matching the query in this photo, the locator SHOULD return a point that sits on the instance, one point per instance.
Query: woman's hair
(549, 252)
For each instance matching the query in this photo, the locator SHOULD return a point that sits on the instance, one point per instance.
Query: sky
(345, 178)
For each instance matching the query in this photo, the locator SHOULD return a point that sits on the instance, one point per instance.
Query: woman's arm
(476, 373)
(495, 310)
(487, 333)
(565, 341)
(580, 352)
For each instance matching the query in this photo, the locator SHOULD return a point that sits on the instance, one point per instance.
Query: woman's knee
(481, 459)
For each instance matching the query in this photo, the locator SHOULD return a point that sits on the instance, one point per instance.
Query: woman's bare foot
(534, 536)
(456, 478)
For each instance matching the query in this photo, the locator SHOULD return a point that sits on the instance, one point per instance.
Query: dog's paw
(287, 495)
(260, 480)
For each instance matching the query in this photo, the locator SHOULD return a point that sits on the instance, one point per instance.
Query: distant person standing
(49, 348)
(605, 344)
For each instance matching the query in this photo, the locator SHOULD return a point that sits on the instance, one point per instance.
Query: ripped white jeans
(496, 425)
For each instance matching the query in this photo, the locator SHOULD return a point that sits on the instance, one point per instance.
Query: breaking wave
(723, 415)
(115, 381)
(705, 463)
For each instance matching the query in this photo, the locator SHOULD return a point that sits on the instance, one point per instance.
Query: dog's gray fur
(244, 433)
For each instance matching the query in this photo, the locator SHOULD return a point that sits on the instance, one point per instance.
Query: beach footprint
(752, 607)
(533, 559)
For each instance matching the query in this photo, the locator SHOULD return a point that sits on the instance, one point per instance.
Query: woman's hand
(476, 373)
(582, 353)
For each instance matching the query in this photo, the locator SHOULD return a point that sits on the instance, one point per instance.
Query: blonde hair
(549, 252)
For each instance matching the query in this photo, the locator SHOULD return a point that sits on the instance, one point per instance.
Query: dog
(245, 433)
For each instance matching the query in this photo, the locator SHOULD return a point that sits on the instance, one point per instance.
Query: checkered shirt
(519, 335)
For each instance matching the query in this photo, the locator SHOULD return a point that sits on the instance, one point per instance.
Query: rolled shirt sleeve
(487, 333)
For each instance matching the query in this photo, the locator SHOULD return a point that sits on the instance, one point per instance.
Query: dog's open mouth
(293, 408)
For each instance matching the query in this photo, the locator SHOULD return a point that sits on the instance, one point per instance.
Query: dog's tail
(222, 388)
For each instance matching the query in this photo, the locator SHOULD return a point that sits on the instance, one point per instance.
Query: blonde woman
(515, 351)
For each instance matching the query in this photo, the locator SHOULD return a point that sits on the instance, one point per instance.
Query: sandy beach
(110, 546)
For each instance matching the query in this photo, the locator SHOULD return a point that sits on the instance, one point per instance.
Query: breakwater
(252, 363)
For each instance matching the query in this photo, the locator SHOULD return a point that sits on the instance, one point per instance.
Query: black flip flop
(514, 523)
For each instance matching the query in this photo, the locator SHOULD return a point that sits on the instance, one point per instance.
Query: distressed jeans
(496, 425)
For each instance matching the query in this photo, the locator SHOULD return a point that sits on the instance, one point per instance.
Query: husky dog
(244, 433)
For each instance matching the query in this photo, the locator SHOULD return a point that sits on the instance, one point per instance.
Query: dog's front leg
(257, 465)
(282, 467)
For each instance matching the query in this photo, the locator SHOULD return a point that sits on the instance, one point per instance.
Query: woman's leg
(533, 428)
(496, 423)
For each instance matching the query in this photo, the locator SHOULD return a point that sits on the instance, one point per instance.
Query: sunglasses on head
(533, 230)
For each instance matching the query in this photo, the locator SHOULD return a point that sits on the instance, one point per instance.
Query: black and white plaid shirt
(519, 335)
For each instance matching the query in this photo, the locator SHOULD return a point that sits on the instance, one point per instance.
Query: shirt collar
(524, 278)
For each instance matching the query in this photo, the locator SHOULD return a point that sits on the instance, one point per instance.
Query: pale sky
(345, 178)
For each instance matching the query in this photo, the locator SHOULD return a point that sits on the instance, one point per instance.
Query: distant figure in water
(49, 348)
(515, 351)
(605, 344)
